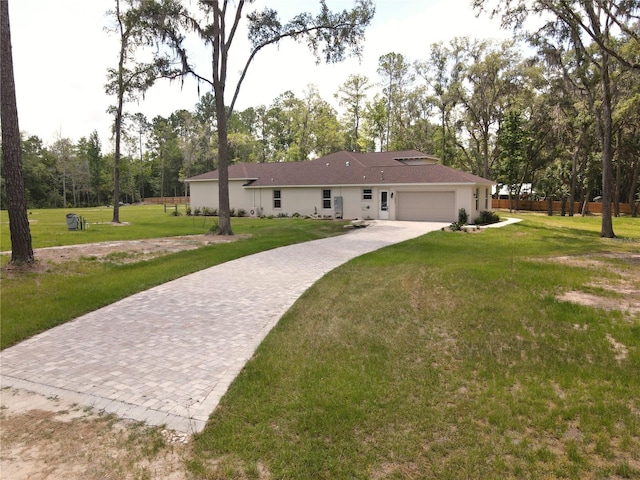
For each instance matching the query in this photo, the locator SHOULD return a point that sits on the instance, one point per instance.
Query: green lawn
(446, 357)
(49, 226)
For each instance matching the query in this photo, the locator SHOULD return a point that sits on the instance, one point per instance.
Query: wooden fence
(168, 200)
(542, 206)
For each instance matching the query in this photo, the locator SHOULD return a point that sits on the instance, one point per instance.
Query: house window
(367, 194)
(477, 199)
(326, 198)
(486, 199)
(277, 199)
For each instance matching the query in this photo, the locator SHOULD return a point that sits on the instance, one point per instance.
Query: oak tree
(581, 24)
(331, 36)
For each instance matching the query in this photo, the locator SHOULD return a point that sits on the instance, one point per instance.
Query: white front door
(384, 205)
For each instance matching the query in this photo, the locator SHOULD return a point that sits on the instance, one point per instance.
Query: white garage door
(427, 206)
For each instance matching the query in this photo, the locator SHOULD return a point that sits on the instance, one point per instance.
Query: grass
(34, 302)
(445, 357)
(49, 226)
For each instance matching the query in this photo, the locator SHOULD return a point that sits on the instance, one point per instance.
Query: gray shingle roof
(347, 168)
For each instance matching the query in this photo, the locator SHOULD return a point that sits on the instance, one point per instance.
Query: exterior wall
(205, 194)
(473, 206)
(308, 200)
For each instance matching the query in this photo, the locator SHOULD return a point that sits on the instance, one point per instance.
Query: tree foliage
(139, 24)
(329, 35)
(595, 30)
(461, 108)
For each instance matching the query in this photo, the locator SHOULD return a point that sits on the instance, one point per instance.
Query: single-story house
(406, 185)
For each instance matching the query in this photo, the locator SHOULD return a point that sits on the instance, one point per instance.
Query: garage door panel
(427, 206)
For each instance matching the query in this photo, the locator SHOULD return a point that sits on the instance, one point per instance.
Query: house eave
(360, 185)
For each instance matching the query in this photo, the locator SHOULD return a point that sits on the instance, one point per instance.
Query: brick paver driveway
(168, 354)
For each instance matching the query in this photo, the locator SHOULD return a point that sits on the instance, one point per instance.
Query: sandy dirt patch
(135, 250)
(624, 290)
(120, 252)
(44, 438)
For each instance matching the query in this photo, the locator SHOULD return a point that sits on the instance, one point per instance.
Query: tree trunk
(224, 212)
(444, 144)
(632, 190)
(118, 120)
(21, 247)
(485, 152)
(574, 178)
(607, 173)
(116, 162)
(219, 64)
(616, 194)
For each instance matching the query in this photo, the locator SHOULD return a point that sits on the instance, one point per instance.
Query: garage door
(427, 206)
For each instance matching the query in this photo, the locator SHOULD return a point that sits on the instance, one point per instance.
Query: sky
(62, 50)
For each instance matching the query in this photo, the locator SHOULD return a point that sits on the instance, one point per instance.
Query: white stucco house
(405, 185)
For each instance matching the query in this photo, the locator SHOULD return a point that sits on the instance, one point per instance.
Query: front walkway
(168, 354)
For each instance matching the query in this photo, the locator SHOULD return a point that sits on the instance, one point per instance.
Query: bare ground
(618, 292)
(43, 438)
(133, 250)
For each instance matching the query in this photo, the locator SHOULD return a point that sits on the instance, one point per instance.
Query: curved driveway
(168, 354)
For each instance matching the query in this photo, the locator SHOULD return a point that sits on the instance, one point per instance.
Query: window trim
(277, 199)
(326, 198)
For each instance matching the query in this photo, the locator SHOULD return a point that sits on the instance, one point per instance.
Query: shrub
(463, 218)
(188, 211)
(487, 218)
(456, 226)
(232, 212)
(242, 212)
(176, 213)
(197, 211)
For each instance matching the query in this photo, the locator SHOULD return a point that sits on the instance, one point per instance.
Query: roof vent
(327, 164)
(346, 164)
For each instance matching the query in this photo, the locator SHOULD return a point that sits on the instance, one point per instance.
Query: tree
(63, 151)
(396, 76)
(137, 26)
(40, 174)
(329, 35)
(442, 73)
(486, 91)
(21, 246)
(580, 23)
(375, 115)
(512, 143)
(352, 95)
